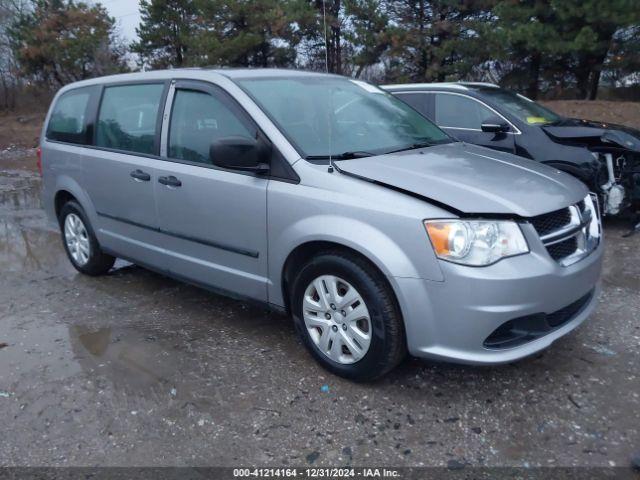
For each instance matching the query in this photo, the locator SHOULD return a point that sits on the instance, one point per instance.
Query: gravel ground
(137, 369)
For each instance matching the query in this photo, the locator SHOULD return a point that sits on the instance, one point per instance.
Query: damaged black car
(604, 156)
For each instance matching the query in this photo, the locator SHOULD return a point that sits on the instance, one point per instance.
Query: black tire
(99, 262)
(388, 342)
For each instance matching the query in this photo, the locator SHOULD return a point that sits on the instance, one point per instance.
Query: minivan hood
(471, 180)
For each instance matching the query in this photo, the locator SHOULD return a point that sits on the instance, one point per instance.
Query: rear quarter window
(128, 117)
(418, 101)
(68, 121)
(460, 111)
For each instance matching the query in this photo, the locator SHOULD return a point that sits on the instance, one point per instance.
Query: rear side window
(68, 119)
(459, 111)
(198, 119)
(128, 118)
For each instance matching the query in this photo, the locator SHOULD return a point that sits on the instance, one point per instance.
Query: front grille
(567, 234)
(550, 222)
(563, 249)
(525, 329)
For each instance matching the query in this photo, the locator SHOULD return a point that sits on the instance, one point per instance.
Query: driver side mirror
(494, 125)
(241, 153)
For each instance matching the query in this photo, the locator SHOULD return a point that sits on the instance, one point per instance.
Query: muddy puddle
(27, 243)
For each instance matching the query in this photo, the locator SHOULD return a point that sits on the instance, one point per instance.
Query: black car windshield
(344, 118)
(524, 109)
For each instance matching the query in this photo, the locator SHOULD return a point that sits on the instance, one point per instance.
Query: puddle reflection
(129, 359)
(26, 243)
(19, 191)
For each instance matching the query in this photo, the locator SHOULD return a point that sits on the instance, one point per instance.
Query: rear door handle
(170, 181)
(140, 175)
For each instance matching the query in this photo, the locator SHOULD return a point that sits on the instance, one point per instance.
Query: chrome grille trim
(584, 226)
(574, 226)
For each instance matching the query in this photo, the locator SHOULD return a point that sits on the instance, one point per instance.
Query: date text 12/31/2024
(315, 473)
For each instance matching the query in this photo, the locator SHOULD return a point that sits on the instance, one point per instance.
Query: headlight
(475, 242)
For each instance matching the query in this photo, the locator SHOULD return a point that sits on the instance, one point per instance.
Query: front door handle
(140, 175)
(170, 181)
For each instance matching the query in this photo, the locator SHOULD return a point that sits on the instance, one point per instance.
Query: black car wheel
(348, 317)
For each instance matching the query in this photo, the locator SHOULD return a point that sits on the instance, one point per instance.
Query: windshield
(524, 109)
(344, 118)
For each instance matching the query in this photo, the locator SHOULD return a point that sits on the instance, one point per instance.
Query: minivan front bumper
(451, 320)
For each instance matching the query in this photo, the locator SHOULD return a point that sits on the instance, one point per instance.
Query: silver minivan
(327, 198)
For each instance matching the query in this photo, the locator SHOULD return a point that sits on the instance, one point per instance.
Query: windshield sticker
(533, 120)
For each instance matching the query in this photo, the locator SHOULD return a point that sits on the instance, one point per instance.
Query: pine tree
(59, 42)
(323, 46)
(431, 40)
(247, 33)
(166, 32)
(527, 40)
(558, 42)
(587, 30)
(368, 35)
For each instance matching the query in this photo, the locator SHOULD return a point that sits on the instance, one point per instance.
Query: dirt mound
(624, 113)
(20, 130)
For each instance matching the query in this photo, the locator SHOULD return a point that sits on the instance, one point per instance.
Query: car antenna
(326, 67)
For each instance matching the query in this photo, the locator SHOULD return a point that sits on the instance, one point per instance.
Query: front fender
(586, 172)
(362, 237)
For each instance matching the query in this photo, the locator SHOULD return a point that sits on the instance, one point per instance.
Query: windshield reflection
(324, 115)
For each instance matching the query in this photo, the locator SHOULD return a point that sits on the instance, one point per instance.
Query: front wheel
(80, 242)
(347, 316)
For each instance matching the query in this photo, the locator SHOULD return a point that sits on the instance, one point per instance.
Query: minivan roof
(197, 73)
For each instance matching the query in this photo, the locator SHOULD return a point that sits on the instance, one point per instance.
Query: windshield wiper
(342, 156)
(414, 146)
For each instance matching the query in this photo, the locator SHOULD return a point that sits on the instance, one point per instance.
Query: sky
(127, 16)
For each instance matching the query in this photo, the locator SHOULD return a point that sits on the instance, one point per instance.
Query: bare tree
(10, 11)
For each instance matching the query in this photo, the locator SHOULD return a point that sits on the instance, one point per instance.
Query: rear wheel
(80, 242)
(347, 316)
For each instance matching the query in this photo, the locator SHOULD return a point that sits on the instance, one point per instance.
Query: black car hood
(594, 133)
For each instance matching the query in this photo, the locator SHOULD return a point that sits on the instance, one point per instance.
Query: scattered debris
(313, 456)
(5, 394)
(602, 350)
(347, 452)
(324, 388)
(3, 344)
(173, 392)
(571, 399)
(635, 461)
(270, 410)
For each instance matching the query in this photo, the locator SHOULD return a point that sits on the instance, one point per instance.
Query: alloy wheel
(77, 239)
